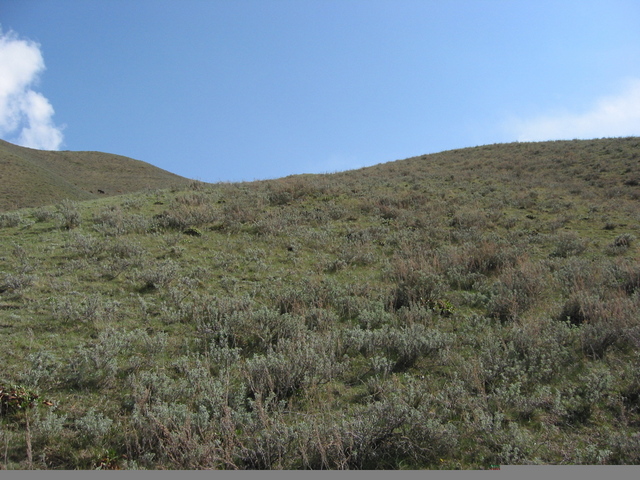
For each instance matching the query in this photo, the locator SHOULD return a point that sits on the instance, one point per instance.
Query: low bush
(156, 275)
(567, 244)
(68, 215)
(10, 219)
(10, 282)
(416, 315)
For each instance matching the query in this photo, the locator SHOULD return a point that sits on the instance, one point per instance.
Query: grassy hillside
(32, 178)
(466, 309)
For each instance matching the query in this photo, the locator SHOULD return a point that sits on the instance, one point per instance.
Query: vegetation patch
(462, 310)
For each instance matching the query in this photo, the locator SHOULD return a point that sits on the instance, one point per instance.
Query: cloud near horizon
(25, 115)
(611, 116)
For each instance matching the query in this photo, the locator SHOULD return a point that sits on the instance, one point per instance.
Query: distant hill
(31, 178)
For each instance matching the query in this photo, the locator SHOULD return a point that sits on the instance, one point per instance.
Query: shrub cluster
(453, 311)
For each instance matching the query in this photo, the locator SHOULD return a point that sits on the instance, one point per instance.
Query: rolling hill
(31, 178)
(461, 310)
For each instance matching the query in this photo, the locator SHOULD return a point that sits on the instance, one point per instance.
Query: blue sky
(231, 90)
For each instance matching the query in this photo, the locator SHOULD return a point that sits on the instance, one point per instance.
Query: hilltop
(31, 178)
(459, 310)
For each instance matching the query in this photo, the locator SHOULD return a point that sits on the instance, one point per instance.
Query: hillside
(31, 178)
(460, 310)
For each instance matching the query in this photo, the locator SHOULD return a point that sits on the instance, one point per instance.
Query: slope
(460, 310)
(30, 178)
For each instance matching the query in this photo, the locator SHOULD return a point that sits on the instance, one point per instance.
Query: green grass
(471, 308)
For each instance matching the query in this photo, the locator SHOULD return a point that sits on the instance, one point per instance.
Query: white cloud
(25, 115)
(611, 116)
